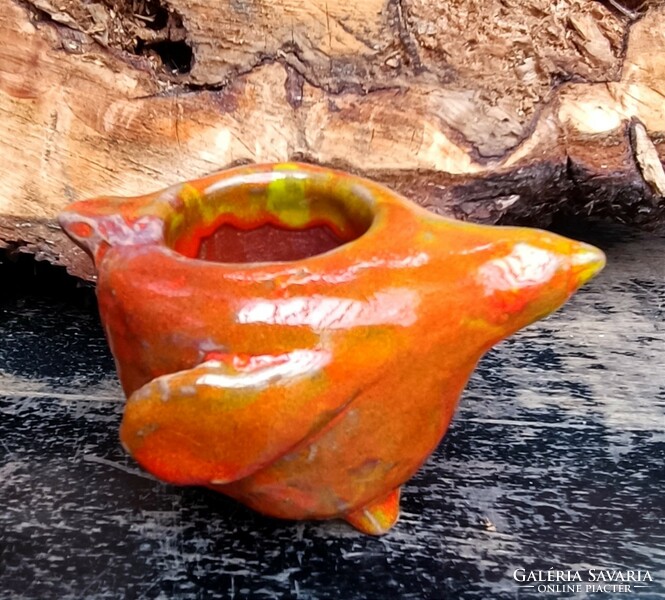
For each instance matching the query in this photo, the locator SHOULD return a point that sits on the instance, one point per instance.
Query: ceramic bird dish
(298, 338)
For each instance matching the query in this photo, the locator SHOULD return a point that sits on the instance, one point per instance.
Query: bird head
(514, 275)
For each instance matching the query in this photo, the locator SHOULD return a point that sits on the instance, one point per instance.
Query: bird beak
(586, 262)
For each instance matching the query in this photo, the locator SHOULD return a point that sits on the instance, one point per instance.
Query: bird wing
(225, 419)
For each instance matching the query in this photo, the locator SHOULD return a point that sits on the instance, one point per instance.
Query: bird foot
(377, 517)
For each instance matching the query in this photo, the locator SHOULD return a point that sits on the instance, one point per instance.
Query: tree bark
(488, 110)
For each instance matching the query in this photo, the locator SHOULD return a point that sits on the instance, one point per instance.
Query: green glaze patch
(286, 199)
(289, 200)
(288, 166)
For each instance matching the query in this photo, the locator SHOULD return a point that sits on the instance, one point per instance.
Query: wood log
(488, 110)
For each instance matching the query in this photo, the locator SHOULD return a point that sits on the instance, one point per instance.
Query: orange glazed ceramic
(298, 338)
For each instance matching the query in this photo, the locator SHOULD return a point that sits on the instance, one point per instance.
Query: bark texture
(491, 110)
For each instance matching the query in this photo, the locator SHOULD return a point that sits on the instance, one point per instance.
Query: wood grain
(490, 111)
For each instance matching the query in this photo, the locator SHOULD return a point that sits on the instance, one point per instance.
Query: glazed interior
(276, 217)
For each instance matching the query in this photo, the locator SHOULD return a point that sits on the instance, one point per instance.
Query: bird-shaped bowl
(298, 338)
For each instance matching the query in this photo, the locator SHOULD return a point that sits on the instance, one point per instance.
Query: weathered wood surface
(555, 459)
(489, 110)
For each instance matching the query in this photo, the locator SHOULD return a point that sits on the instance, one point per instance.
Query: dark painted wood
(556, 459)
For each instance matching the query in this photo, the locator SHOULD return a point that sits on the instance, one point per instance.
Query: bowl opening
(289, 217)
